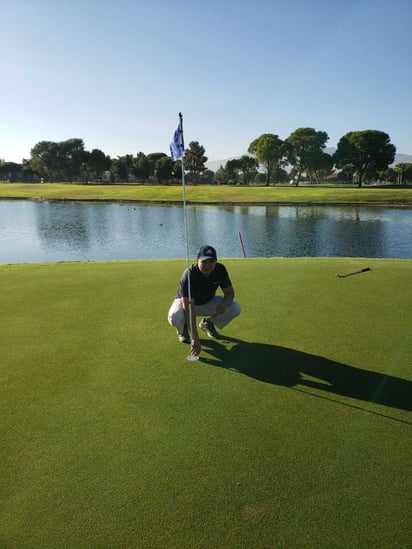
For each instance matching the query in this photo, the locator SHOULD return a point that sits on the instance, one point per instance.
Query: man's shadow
(288, 367)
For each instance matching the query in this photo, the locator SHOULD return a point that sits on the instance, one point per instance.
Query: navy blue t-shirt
(203, 288)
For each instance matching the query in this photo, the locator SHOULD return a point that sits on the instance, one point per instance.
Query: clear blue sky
(117, 73)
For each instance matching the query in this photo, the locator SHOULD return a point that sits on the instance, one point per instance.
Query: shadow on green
(290, 368)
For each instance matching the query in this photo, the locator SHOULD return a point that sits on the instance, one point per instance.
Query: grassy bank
(293, 431)
(210, 193)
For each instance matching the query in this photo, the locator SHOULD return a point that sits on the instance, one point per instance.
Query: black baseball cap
(206, 252)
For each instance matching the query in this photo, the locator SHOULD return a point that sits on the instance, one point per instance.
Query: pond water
(55, 231)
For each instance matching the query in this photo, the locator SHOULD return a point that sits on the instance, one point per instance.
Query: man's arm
(228, 297)
(196, 346)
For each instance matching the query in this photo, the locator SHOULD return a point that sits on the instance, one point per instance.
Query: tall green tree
(153, 158)
(232, 168)
(194, 161)
(388, 176)
(58, 160)
(141, 167)
(320, 166)
(303, 147)
(71, 153)
(248, 168)
(10, 171)
(222, 176)
(208, 177)
(404, 172)
(45, 159)
(269, 151)
(367, 152)
(164, 169)
(177, 170)
(241, 170)
(94, 164)
(27, 172)
(407, 174)
(99, 162)
(121, 167)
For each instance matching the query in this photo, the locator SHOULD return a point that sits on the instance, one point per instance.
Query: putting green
(293, 430)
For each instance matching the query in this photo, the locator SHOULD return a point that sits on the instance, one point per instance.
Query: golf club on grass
(354, 272)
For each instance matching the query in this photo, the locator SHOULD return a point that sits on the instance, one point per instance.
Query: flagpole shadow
(291, 368)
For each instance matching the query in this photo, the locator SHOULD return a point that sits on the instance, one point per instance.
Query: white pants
(176, 316)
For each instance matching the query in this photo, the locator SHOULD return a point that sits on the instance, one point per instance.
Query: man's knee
(235, 309)
(175, 316)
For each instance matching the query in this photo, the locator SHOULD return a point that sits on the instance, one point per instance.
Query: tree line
(68, 161)
(360, 156)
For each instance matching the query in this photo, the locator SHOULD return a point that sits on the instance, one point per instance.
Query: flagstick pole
(186, 229)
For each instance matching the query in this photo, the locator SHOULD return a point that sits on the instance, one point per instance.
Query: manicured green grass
(292, 432)
(211, 193)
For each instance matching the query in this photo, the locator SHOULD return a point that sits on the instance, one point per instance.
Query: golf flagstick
(177, 149)
(354, 272)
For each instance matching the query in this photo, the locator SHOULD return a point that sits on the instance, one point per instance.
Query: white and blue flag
(177, 146)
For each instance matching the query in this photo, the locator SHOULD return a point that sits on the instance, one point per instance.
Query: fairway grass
(212, 194)
(292, 431)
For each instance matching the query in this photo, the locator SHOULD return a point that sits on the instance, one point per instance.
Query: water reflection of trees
(117, 231)
(291, 231)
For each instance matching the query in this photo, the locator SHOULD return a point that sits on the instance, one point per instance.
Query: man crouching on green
(206, 275)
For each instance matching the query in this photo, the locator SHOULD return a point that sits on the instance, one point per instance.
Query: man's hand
(196, 347)
(220, 309)
(228, 296)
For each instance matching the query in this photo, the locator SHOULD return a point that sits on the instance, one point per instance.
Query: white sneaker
(207, 325)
